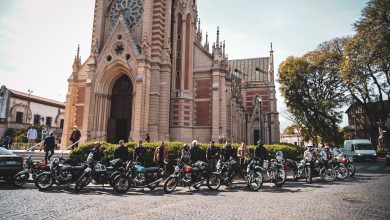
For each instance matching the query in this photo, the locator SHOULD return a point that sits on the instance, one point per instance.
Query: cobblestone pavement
(365, 196)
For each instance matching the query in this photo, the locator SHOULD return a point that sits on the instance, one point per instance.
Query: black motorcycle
(254, 177)
(275, 169)
(99, 174)
(224, 174)
(138, 176)
(186, 175)
(302, 169)
(60, 173)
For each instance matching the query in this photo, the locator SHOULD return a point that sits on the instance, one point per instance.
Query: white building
(18, 110)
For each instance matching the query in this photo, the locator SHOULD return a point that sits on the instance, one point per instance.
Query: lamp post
(259, 100)
(28, 104)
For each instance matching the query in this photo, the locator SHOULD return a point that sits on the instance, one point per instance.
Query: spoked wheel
(280, 178)
(20, 179)
(82, 182)
(170, 184)
(309, 175)
(328, 175)
(44, 181)
(214, 181)
(342, 173)
(255, 181)
(121, 184)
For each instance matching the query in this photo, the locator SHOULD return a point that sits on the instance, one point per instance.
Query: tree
(314, 90)
(366, 64)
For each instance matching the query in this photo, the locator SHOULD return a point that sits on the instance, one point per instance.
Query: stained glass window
(132, 11)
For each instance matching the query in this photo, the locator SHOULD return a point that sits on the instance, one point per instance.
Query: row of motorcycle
(123, 176)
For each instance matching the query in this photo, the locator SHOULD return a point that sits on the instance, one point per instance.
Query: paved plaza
(365, 196)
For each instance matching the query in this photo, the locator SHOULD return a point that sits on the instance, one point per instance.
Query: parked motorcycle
(60, 173)
(138, 176)
(302, 169)
(30, 167)
(275, 169)
(342, 171)
(224, 175)
(98, 173)
(186, 175)
(254, 177)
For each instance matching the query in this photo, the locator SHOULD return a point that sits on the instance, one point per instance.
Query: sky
(39, 38)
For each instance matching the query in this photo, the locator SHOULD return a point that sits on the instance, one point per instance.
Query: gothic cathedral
(151, 71)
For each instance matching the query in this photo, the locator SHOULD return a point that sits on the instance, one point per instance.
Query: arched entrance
(119, 122)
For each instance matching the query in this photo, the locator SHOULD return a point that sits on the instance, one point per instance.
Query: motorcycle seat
(75, 168)
(151, 170)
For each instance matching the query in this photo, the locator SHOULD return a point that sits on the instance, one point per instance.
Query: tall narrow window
(37, 119)
(19, 117)
(62, 123)
(179, 51)
(187, 52)
(48, 121)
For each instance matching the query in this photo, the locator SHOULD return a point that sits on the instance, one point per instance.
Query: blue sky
(39, 38)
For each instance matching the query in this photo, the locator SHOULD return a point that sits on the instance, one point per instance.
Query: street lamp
(29, 100)
(259, 100)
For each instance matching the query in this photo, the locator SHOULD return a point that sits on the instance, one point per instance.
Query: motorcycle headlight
(177, 169)
(374, 155)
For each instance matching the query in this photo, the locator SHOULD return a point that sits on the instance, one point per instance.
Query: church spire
(77, 59)
(78, 52)
(217, 42)
(206, 44)
(271, 66)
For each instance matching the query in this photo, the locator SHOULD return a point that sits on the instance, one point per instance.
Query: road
(365, 196)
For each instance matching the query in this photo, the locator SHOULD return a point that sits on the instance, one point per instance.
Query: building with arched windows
(151, 70)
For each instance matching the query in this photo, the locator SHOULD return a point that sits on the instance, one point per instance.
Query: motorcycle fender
(23, 172)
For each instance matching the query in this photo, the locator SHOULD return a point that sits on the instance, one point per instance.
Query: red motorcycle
(30, 166)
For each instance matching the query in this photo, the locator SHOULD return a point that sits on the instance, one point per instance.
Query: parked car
(388, 158)
(360, 149)
(10, 164)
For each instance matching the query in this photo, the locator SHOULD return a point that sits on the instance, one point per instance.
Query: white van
(360, 149)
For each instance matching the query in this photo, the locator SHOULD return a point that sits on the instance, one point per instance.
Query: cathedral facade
(152, 71)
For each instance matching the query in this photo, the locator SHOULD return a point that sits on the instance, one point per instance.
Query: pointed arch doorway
(119, 122)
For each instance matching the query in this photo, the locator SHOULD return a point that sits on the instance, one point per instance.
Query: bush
(80, 154)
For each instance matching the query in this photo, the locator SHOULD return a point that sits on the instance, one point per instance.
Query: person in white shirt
(31, 136)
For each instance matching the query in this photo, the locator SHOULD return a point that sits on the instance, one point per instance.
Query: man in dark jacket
(49, 145)
(226, 152)
(260, 151)
(195, 152)
(212, 154)
(75, 137)
(121, 152)
(140, 154)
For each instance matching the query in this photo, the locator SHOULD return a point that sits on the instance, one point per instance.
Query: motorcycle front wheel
(342, 173)
(170, 184)
(214, 182)
(309, 175)
(255, 181)
(44, 181)
(82, 182)
(328, 175)
(20, 178)
(280, 178)
(121, 184)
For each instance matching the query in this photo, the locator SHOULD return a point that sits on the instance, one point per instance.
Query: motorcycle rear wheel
(256, 181)
(20, 179)
(170, 184)
(342, 173)
(44, 181)
(214, 182)
(82, 182)
(280, 178)
(121, 184)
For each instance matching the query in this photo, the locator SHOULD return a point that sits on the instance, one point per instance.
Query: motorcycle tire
(328, 178)
(342, 173)
(256, 181)
(82, 182)
(280, 178)
(113, 176)
(214, 182)
(352, 170)
(44, 181)
(121, 184)
(170, 184)
(309, 175)
(20, 178)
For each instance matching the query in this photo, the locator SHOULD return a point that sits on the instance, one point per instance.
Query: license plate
(11, 162)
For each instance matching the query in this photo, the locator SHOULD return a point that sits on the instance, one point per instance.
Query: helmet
(259, 142)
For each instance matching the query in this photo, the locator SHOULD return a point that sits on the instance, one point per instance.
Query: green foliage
(80, 154)
(314, 91)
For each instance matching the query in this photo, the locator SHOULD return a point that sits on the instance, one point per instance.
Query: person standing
(44, 134)
(260, 151)
(242, 154)
(212, 154)
(147, 139)
(7, 142)
(160, 154)
(121, 152)
(195, 152)
(31, 136)
(75, 137)
(49, 145)
(140, 154)
(226, 152)
(186, 154)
